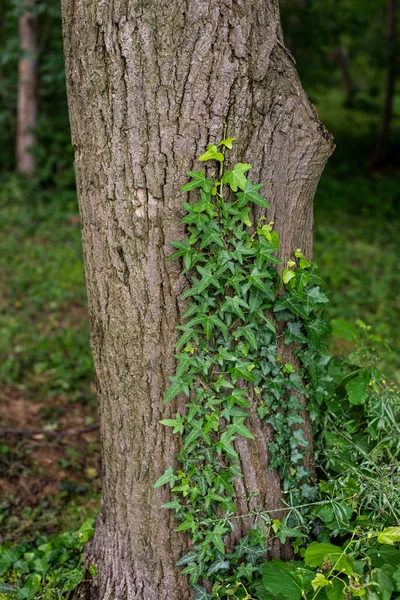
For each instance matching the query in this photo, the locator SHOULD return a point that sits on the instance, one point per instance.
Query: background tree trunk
(390, 86)
(27, 90)
(150, 84)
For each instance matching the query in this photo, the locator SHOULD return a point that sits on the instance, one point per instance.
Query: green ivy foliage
(228, 362)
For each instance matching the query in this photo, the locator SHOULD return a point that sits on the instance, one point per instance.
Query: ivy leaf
(293, 333)
(201, 593)
(178, 385)
(211, 235)
(211, 154)
(186, 559)
(265, 251)
(193, 571)
(242, 369)
(218, 565)
(227, 142)
(199, 180)
(167, 477)
(291, 303)
(249, 334)
(287, 275)
(239, 427)
(236, 178)
(6, 588)
(208, 278)
(250, 194)
(233, 305)
(216, 540)
(316, 329)
(188, 335)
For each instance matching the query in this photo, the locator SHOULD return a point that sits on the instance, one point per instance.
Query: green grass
(43, 326)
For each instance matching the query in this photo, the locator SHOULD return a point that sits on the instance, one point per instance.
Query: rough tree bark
(27, 90)
(149, 85)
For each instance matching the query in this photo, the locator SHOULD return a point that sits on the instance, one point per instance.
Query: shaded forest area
(347, 55)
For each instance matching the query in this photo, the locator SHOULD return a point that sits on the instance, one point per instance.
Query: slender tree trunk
(390, 86)
(27, 90)
(341, 57)
(149, 85)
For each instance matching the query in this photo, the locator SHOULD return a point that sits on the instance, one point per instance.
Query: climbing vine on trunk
(228, 360)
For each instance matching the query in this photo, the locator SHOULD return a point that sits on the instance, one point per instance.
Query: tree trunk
(149, 85)
(27, 91)
(390, 86)
(340, 56)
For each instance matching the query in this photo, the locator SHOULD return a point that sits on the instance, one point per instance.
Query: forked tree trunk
(27, 90)
(150, 84)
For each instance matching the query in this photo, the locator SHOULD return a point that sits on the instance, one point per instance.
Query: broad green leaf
(357, 390)
(344, 329)
(385, 583)
(335, 591)
(389, 535)
(280, 578)
(316, 554)
(236, 178)
(384, 555)
(211, 154)
(396, 577)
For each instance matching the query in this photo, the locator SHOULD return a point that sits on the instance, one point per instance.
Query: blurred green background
(347, 58)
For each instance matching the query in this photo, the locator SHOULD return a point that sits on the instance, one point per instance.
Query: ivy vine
(227, 357)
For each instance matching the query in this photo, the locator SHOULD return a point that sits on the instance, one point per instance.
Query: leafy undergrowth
(48, 568)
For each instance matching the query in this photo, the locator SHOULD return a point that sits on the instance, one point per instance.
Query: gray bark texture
(27, 91)
(150, 84)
